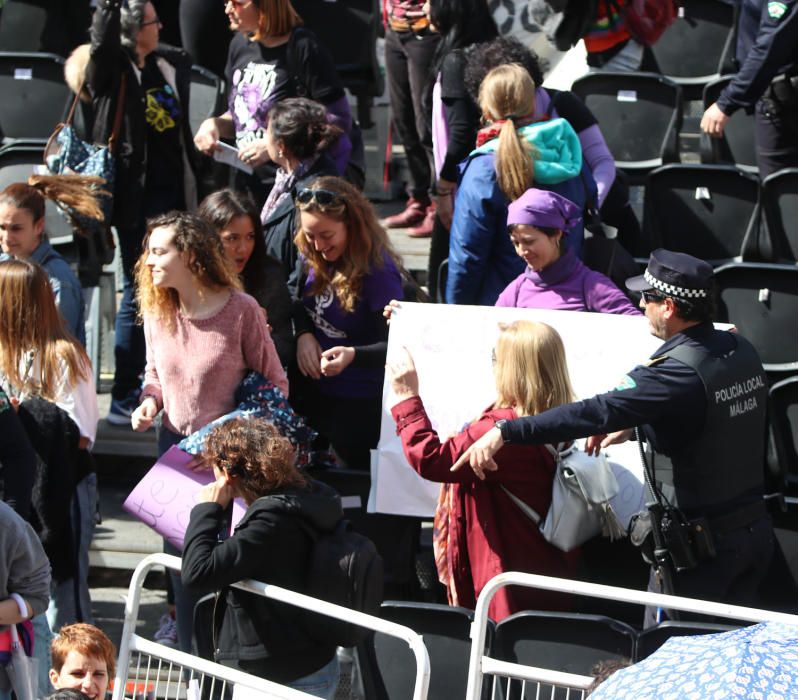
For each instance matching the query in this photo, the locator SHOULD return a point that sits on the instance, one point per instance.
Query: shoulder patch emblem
(776, 9)
(626, 383)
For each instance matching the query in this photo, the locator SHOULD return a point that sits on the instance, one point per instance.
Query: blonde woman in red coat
(479, 531)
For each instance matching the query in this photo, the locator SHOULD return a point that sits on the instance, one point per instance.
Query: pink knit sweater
(194, 371)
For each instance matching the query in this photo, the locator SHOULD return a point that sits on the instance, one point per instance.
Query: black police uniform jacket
(670, 402)
(269, 544)
(767, 45)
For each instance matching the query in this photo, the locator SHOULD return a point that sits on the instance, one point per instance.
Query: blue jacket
(482, 260)
(767, 45)
(66, 287)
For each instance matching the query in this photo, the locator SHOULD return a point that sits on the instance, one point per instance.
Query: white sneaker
(167, 632)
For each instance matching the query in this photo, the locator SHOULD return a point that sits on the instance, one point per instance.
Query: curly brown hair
(254, 452)
(197, 239)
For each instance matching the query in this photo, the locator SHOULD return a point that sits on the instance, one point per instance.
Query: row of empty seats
(642, 115)
(720, 213)
(568, 642)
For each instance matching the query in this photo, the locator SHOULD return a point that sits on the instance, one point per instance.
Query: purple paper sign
(163, 499)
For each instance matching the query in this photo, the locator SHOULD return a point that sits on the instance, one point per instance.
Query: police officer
(701, 401)
(767, 82)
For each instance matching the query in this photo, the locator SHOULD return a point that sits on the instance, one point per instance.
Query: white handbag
(580, 495)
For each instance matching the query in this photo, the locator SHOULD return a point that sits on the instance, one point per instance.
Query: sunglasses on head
(324, 198)
(651, 297)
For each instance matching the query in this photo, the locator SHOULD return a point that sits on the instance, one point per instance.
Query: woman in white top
(40, 359)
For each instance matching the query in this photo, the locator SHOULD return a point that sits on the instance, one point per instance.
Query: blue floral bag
(258, 397)
(67, 154)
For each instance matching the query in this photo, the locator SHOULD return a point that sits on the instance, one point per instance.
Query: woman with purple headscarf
(555, 278)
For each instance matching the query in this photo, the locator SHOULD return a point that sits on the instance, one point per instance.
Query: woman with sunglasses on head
(49, 377)
(155, 159)
(297, 140)
(271, 58)
(480, 530)
(203, 336)
(352, 272)
(235, 218)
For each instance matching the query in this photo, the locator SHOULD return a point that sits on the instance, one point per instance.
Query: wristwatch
(502, 426)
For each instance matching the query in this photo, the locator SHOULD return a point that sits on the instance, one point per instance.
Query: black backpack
(344, 569)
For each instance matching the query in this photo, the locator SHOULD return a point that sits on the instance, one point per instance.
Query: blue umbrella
(758, 662)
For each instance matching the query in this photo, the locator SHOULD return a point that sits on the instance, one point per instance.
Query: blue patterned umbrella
(758, 662)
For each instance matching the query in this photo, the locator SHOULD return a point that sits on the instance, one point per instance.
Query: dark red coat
(489, 532)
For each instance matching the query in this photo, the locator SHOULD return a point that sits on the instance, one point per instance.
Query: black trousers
(408, 58)
(776, 137)
(736, 572)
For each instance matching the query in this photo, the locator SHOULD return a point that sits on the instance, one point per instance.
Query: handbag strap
(120, 105)
(118, 115)
(526, 509)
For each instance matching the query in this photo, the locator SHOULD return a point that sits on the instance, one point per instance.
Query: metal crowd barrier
(535, 681)
(147, 670)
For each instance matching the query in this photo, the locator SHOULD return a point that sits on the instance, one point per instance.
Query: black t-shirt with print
(163, 114)
(258, 78)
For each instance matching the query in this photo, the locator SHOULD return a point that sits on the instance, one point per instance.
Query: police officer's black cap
(674, 275)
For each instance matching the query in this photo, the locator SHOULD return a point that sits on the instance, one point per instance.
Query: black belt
(738, 518)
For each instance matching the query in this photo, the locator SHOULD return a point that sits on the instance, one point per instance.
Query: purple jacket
(569, 285)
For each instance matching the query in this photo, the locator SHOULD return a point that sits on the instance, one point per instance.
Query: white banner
(452, 345)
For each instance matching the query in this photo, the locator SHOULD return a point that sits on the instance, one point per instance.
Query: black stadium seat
(35, 96)
(640, 115)
(699, 46)
(709, 211)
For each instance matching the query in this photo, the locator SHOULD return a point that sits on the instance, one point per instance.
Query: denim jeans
(129, 347)
(70, 600)
(42, 636)
(184, 600)
(322, 683)
(627, 59)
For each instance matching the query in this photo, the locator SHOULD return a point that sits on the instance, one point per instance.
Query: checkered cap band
(672, 290)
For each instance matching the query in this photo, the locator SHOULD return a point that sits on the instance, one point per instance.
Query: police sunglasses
(652, 297)
(324, 198)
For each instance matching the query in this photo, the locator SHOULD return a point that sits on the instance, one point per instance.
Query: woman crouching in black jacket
(251, 460)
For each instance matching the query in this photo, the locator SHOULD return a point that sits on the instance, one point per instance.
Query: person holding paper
(48, 372)
(272, 543)
(203, 336)
(555, 278)
(701, 400)
(271, 58)
(479, 530)
(351, 272)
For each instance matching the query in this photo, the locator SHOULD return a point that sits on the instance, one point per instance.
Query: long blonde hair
(367, 244)
(201, 246)
(508, 93)
(531, 372)
(30, 322)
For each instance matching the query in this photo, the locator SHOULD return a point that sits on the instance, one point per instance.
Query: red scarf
(492, 130)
